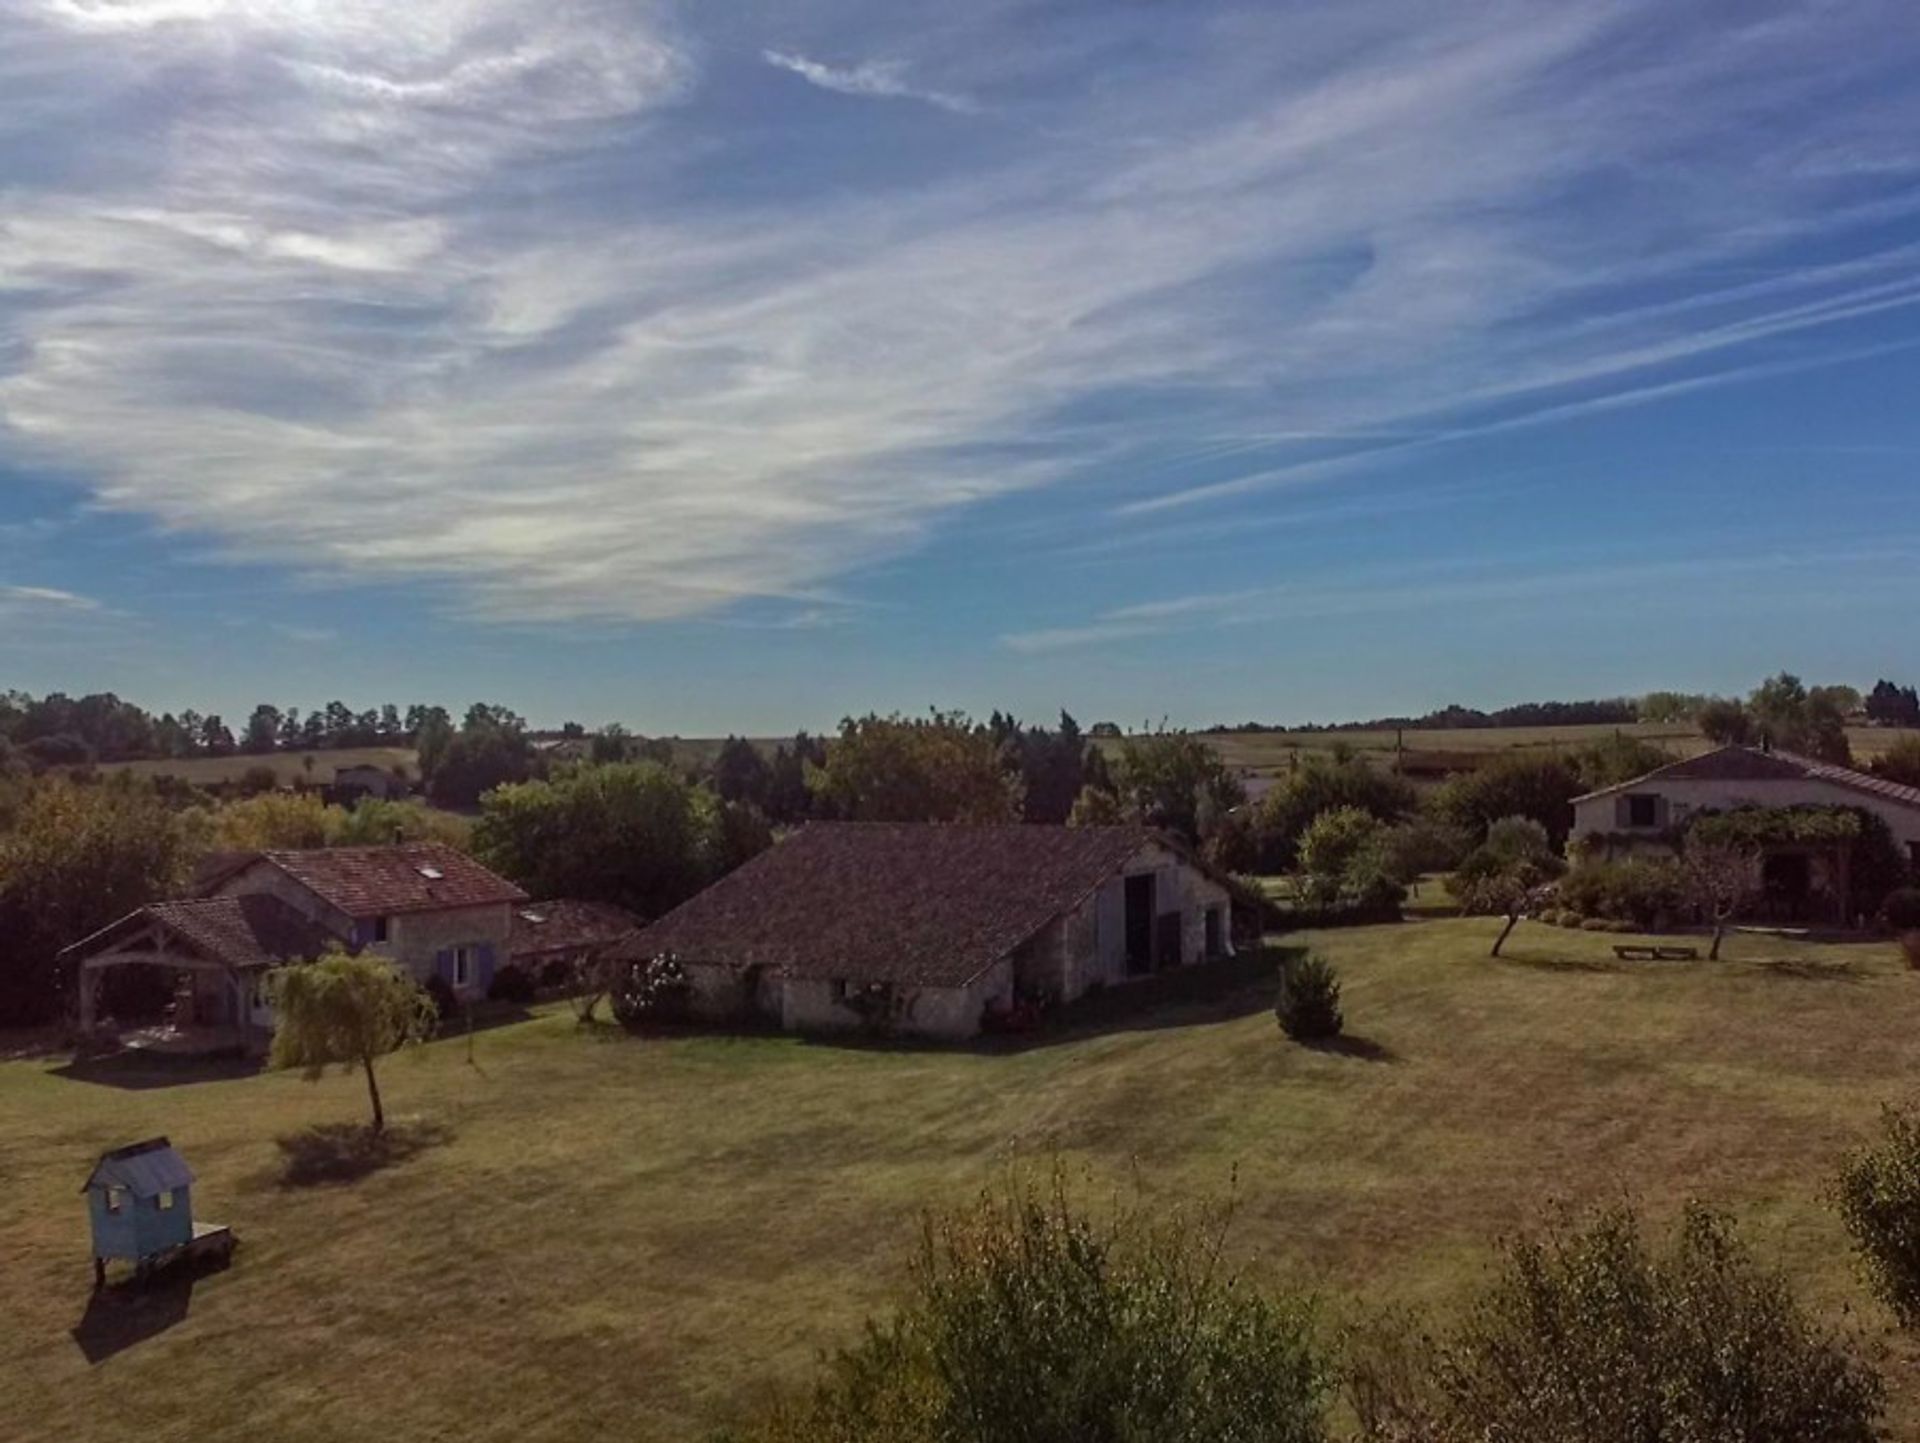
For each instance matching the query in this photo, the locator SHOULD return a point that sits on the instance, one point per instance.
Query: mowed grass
(624, 1238)
(288, 767)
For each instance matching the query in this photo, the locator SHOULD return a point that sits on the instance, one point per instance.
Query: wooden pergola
(157, 945)
(230, 940)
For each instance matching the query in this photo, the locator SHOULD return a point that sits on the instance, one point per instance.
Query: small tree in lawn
(346, 1010)
(1509, 875)
(1720, 878)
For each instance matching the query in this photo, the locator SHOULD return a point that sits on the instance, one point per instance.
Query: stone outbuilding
(924, 929)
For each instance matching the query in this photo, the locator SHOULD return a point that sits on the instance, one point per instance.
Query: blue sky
(732, 367)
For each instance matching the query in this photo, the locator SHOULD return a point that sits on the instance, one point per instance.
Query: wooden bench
(1632, 951)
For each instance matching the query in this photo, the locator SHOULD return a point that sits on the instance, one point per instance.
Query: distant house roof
(146, 1169)
(568, 926)
(256, 930)
(925, 905)
(1751, 764)
(215, 867)
(405, 877)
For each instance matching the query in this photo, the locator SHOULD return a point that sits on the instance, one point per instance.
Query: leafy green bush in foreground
(1031, 1321)
(1878, 1196)
(1588, 1335)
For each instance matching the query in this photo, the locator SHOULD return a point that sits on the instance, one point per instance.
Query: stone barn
(923, 929)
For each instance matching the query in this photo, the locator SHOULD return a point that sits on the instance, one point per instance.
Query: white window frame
(463, 968)
(163, 1200)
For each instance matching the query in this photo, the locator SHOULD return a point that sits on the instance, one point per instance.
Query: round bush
(1596, 924)
(511, 984)
(1901, 910)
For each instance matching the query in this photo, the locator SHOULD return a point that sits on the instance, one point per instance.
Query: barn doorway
(1141, 905)
(1787, 882)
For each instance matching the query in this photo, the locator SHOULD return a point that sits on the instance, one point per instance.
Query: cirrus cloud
(493, 297)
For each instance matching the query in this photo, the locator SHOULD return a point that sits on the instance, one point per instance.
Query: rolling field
(287, 766)
(1273, 751)
(622, 1238)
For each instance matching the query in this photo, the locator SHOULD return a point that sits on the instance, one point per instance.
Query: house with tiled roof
(431, 910)
(927, 929)
(1803, 881)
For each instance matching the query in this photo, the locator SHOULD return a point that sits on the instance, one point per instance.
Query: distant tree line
(1612, 711)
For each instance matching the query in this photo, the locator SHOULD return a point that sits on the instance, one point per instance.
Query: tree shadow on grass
(1806, 969)
(1347, 1044)
(1575, 964)
(342, 1152)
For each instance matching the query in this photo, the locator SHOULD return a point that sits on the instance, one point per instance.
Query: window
(380, 925)
(1214, 946)
(116, 1200)
(462, 966)
(1643, 811)
(164, 1201)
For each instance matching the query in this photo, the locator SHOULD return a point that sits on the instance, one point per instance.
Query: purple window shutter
(443, 965)
(483, 966)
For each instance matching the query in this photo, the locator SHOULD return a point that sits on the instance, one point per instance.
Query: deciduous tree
(1720, 879)
(349, 1011)
(938, 768)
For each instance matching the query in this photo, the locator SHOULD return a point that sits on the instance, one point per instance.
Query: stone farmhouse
(1802, 881)
(925, 930)
(430, 909)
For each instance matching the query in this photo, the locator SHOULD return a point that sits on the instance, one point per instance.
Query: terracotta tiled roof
(857, 901)
(257, 930)
(568, 926)
(407, 877)
(1750, 764)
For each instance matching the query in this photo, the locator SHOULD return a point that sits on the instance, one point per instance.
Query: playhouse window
(116, 1199)
(164, 1201)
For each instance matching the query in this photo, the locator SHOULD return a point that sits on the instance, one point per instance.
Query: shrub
(1588, 1335)
(1649, 892)
(1345, 863)
(446, 1005)
(1029, 1321)
(1901, 910)
(656, 990)
(512, 983)
(1596, 924)
(1877, 1194)
(1308, 1004)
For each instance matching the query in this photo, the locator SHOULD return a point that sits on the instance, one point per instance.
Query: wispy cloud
(495, 298)
(876, 79)
(1452, 584)
(22, 598)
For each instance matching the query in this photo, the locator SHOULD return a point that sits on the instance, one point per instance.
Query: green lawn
(623, 1238)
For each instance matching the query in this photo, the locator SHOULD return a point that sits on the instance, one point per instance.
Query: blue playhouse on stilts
(140, 1199)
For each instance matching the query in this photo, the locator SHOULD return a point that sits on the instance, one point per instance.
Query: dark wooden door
(1140, 909)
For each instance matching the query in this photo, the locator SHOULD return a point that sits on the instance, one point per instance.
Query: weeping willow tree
(347, 1011)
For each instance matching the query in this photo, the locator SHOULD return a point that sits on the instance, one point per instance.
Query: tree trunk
(1719, 931)
(373, 1091)
(1513, 920)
